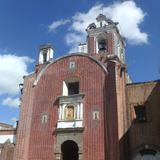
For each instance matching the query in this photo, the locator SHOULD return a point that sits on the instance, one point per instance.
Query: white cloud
(12, 70)
(82, 20)
(129, 17)
(72, 39)
(14, 119)
(52, 27)
(11, 102)
(126, 13)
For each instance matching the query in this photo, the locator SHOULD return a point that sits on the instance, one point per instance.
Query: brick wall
(100, 137)
(23, 131)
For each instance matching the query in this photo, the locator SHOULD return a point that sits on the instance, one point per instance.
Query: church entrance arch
(69, 150)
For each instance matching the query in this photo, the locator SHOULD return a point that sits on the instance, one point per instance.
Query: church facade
(83, 106)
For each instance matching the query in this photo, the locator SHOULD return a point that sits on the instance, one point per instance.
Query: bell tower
(45, 53)
(104, 38)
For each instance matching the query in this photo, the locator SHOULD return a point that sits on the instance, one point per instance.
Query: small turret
(45, 53)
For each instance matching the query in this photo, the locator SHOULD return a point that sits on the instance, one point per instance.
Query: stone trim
(77, 137)
(69, 130)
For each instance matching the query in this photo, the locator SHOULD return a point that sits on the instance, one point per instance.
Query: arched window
(69, 112)
(44, 118)
(102, 46)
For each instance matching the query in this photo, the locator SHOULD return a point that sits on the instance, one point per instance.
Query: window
(102, 45)
(95, 115)
(44, 118)
(73, 88)
(140, 113)
(69, 112)
(44, 57)
(72, 65)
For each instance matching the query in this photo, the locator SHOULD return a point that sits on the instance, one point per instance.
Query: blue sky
(24, 25)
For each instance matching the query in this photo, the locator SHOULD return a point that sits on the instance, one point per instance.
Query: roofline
(138, 83)
(9, 125)
(65, 56)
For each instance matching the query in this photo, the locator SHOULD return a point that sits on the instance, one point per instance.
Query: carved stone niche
(70, 112)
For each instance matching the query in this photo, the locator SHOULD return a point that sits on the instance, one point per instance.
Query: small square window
(140, 113)
(73, 88)
(72, 65)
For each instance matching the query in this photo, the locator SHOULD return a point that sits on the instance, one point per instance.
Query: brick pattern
(23, 131)
(100, 137)
(122, 110)
(110, 43)
(91, 45)
(111, 114)
(48, 93)
(114, 135)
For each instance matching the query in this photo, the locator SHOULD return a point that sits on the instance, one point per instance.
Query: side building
(144, 106)
(7, 141)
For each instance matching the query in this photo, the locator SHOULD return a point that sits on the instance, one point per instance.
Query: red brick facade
(108, 130)
(93, 79)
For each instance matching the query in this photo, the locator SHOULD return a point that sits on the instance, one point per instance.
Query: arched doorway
(69, 150)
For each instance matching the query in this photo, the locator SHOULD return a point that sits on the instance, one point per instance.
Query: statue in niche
(69, 112)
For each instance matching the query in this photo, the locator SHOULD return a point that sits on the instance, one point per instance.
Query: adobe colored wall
(7, 151)
(146, 133)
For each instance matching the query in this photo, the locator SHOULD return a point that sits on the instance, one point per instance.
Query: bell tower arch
(104, 38)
